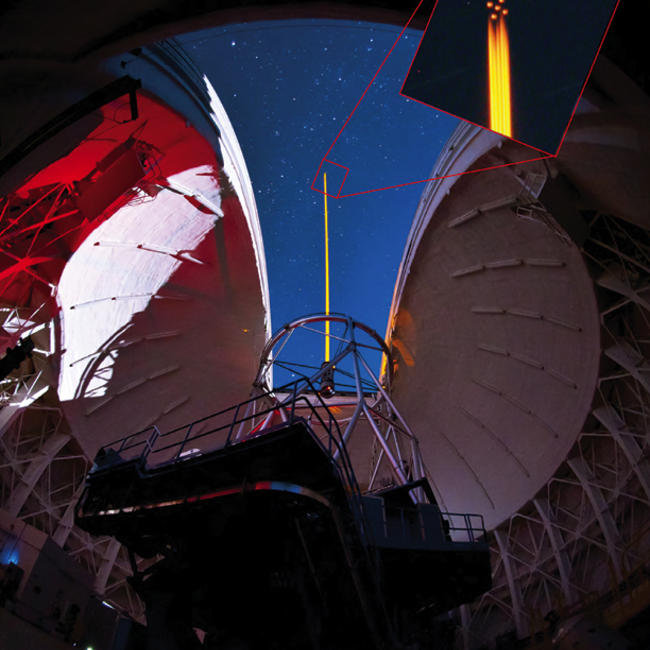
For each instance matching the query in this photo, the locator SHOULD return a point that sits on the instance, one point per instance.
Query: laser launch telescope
(303, 517)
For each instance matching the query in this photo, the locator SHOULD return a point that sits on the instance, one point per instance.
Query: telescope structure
(261, 502)
(518, 334)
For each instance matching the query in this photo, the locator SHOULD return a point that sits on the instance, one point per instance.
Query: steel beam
(515, 593)
(66, 523)
(601, 510)
(611, 420)
(399, 473)
(105, 569)
(38, 465)
(629, 359)
(7, 415)
(28, 393)
(610, 279)
(557, 543)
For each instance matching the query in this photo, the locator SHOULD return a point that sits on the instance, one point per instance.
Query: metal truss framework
(42, 468)
(583, 543)
(395, 452)
(40, 227)
(585, 534)
(42, 471)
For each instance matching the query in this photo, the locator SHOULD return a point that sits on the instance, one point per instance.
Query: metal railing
(138, 440)
(465, 527)
(250, 418)
(422, 526)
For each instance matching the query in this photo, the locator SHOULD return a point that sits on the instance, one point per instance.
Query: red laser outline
(473, 171)
(347, 171)
(338, 135)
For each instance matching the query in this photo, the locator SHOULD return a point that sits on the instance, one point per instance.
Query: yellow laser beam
(505, 66)
(500, 105)
(492, 75)
(499, 61)
(327, 275)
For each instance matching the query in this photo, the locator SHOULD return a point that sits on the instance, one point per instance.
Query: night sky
(288, 86)
(552, 46)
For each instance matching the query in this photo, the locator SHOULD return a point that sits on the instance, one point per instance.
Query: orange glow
(404, 351)
(489, 5)
(499, 75)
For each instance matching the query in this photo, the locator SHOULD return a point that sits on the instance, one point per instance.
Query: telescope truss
(395, 453)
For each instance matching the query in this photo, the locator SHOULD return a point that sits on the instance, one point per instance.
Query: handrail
(472, 525)
(468, 527)
(297, 391)
(403, 519)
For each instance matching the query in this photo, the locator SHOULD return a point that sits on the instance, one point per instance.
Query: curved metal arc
(341, 339)
(288, 328)
(389, 443)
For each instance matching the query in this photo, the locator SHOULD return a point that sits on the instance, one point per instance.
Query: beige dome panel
(497, 344)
